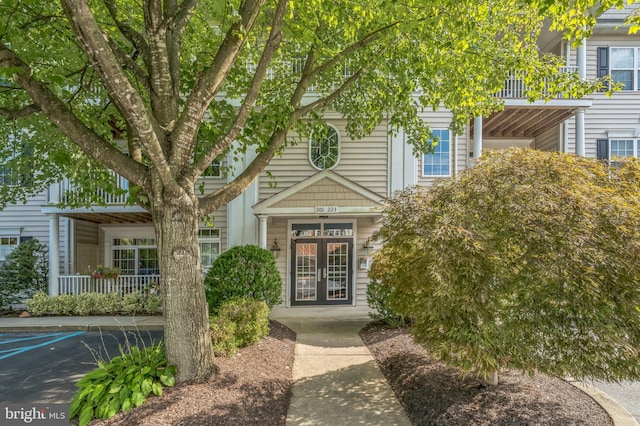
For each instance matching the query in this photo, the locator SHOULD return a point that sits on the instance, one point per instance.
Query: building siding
(364, 162)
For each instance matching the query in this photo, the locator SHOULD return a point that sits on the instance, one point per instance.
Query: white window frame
(136, 247)
(635, 69)
(438, 133)
(212, 239)
(635, 147)
(211, 173)
(6, 245)
(338, 149)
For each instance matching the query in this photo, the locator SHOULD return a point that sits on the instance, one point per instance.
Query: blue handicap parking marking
(28, 345)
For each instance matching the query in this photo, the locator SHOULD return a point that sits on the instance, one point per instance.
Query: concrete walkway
(336, 381)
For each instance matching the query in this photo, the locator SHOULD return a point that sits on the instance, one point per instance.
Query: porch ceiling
(112, 218)
(518, 122)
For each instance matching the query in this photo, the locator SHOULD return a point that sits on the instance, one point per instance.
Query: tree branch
(234, 188)
(135, 38)
(208, 85)
(271, 46)
(19, 113)
(125, 97)
(85, 138)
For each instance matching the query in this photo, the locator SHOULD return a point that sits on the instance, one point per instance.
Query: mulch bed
(252, 388)
(434, 394)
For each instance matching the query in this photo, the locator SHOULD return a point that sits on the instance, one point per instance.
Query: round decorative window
(324, 148)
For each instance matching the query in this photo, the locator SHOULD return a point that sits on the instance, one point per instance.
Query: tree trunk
(186, 330)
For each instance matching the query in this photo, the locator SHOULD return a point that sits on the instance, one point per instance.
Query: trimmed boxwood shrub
(240, 322)
(243, 271)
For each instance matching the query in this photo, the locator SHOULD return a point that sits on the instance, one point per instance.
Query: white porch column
(581, 62)
(263, 231)
(477, 137)
(54, 253)
(580, 151)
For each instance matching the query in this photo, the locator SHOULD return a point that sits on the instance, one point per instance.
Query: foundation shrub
(240, 322)
(24, 273)
(243, 271)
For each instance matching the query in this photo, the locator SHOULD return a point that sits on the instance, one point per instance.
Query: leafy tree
(529, 260)
(24, 273)
(158, 90)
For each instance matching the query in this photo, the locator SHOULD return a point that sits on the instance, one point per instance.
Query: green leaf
(156, 388)
(85, 415)
(167, 379)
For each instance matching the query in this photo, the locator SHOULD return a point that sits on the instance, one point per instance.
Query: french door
(322, 271)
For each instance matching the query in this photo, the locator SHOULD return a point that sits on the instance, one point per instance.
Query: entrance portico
(321, 225)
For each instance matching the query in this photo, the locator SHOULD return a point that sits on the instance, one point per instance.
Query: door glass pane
(305, 230)
(306, 270)
(338, 230)
(337, 271)
(125, 259)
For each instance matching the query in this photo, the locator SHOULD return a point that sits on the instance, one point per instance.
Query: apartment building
(317, 207)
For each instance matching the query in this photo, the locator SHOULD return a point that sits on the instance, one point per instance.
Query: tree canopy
(529, 260)
(157, 90)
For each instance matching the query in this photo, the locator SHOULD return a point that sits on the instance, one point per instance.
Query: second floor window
(324, 148)
(623, 63)
(438, 163)
(625, 66)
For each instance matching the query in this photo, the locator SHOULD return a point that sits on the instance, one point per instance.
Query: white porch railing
(123, 284)
(110, 199)
(515, 87)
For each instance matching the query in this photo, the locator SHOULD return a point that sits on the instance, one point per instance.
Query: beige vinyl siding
(460, 151)
(548, 141)
(33, 222)
(219, 217)
(277, 229)
(361, 161)
(621, 111)
(365, 228)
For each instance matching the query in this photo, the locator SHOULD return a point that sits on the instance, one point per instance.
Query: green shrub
(122, 383)
(243, 271)
(529, 260)
(223, 336)
(132, 303)
(24, 273)
(92, 304)
(379, 299)
(239, 322)
(152, 304)
(39, 304)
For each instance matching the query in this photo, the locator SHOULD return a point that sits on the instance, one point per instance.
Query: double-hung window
(209, 240)
(438, 162)
(623, 63)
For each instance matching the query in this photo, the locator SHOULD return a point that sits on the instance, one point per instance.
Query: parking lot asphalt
(43, 367)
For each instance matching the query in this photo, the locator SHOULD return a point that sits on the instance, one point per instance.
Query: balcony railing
(122, 284)
(59, 193)
(515, 87)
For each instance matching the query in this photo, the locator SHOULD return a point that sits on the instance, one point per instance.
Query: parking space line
(39, 336)
(31, 347)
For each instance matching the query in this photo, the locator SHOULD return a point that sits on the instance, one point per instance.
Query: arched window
(324, 148)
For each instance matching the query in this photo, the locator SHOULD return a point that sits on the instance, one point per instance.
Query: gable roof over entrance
(325, 193)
